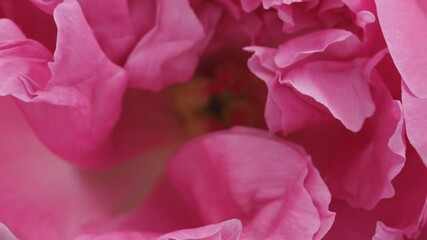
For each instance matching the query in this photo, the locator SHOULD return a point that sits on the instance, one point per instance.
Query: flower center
(230, 96)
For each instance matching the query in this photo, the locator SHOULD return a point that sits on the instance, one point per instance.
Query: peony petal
(219, 176)
(343, 156)
(229, 180)
(302, 47)
(71, 115)
(382, 232)
(406, 39)
(5, 233)
(400, 217)
(47, 5)
(43, 197)
(167, 54)
(228, 230)
(339, 86)
(416, 124)
(35, 23)
(112, 26)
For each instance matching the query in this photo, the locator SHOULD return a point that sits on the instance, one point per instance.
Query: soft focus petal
(220, 176)
(228, 230)
(5, 233)
(167, 54)
(403, 24)
(43, 197)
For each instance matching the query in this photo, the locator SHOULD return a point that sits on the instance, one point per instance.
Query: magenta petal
(416, 124)
(167, 54)
(280, 196)
(403, 24)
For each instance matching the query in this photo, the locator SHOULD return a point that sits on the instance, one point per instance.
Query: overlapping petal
(167, 54)
(336, 84)
(228, 230)
(44, 197)
(268, 184)
(403, 25)
(401, 217)
(359, 167)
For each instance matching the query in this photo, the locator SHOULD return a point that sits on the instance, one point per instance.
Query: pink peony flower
(224, 119)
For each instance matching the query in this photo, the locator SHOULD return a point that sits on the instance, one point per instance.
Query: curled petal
(229, 180)
(377, 151)
(73, 112)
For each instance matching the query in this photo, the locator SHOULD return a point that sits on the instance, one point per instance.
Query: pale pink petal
(167, 54)
(44, 197)
(403, 24)
(416, 125)
(5, 233)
